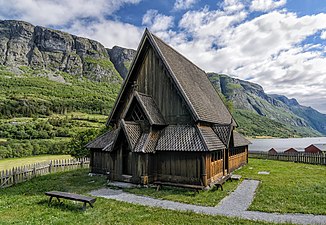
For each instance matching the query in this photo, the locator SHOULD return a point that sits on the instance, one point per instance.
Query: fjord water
(281, 144)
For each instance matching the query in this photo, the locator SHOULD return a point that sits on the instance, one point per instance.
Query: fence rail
(24, 173)
(318, 159)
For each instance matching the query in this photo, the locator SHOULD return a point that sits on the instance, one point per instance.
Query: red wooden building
(272, 151)
(291, 151)
(312, 149)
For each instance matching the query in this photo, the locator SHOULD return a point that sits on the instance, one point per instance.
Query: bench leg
(158, 187)
(50, 200)
(84, 206)
(91, 205)
(219, 185)
(60, 202)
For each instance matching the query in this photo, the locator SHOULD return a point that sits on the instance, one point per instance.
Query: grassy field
(289, 188)
(15, 162)
(27, 204)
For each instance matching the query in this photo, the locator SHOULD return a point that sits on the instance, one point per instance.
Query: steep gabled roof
(192, 83)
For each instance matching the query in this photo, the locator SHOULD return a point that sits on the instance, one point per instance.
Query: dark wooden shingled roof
(210, 139)
(180, 138)
(194, 84)
(147, 142)
(104, 142)
(132, 131)
(150, 108)
(223, 132)
(239, 140)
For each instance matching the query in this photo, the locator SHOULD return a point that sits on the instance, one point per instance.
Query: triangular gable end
(129, 82)
(202, 101)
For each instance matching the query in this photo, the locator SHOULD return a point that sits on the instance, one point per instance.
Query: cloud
(266, 5)
(231, 6)
(323, 35)
(59, 12)
(184, 4)
(80, 17)
(157, 22)
(109, 33)
(268, 48)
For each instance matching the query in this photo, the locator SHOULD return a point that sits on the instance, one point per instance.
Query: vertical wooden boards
(179, 167)
(154, 80)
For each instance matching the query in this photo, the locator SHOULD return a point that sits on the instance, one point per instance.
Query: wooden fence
(24, 173)
(302, 157)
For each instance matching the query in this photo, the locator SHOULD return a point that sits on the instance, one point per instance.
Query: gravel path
(236, 205)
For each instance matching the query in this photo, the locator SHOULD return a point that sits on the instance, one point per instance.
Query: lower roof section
(186, 138)
(105, 142)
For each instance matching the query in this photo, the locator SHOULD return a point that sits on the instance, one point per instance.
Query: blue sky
(279, 44)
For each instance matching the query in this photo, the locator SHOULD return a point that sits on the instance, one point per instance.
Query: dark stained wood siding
(153, 80)
(178, 167)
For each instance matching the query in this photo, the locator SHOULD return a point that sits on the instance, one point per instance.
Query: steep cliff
(121, 58)
(22, 44)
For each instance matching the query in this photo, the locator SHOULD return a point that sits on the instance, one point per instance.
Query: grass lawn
(289, 188)
(15, 162)
(26, 203)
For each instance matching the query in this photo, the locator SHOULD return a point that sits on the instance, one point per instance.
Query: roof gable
(192, 83)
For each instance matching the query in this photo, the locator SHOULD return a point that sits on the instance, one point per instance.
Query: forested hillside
(40, 111)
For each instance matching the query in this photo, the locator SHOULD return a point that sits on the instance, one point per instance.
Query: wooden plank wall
(27, 172)
(237, 160)
(102, 162)
(154, 81)
(216, 170)
(178, 167)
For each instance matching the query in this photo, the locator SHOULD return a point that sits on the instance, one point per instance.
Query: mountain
(22, 44)
(57, 59)
(249, 101)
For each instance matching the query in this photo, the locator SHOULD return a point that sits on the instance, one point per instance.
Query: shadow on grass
(63, 205)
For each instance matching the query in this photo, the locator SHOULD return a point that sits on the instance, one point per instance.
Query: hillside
(252, 106)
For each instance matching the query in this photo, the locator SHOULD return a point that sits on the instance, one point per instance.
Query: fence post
(34, 171)
(50, 167)
(14, 175)
(82, 163)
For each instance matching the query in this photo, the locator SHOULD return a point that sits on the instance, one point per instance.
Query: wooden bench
(188, 186)
(221, 181)
(71, 196)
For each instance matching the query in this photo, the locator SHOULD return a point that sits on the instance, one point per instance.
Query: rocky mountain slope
(250, 97)
(45, 52)
(22, 44)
